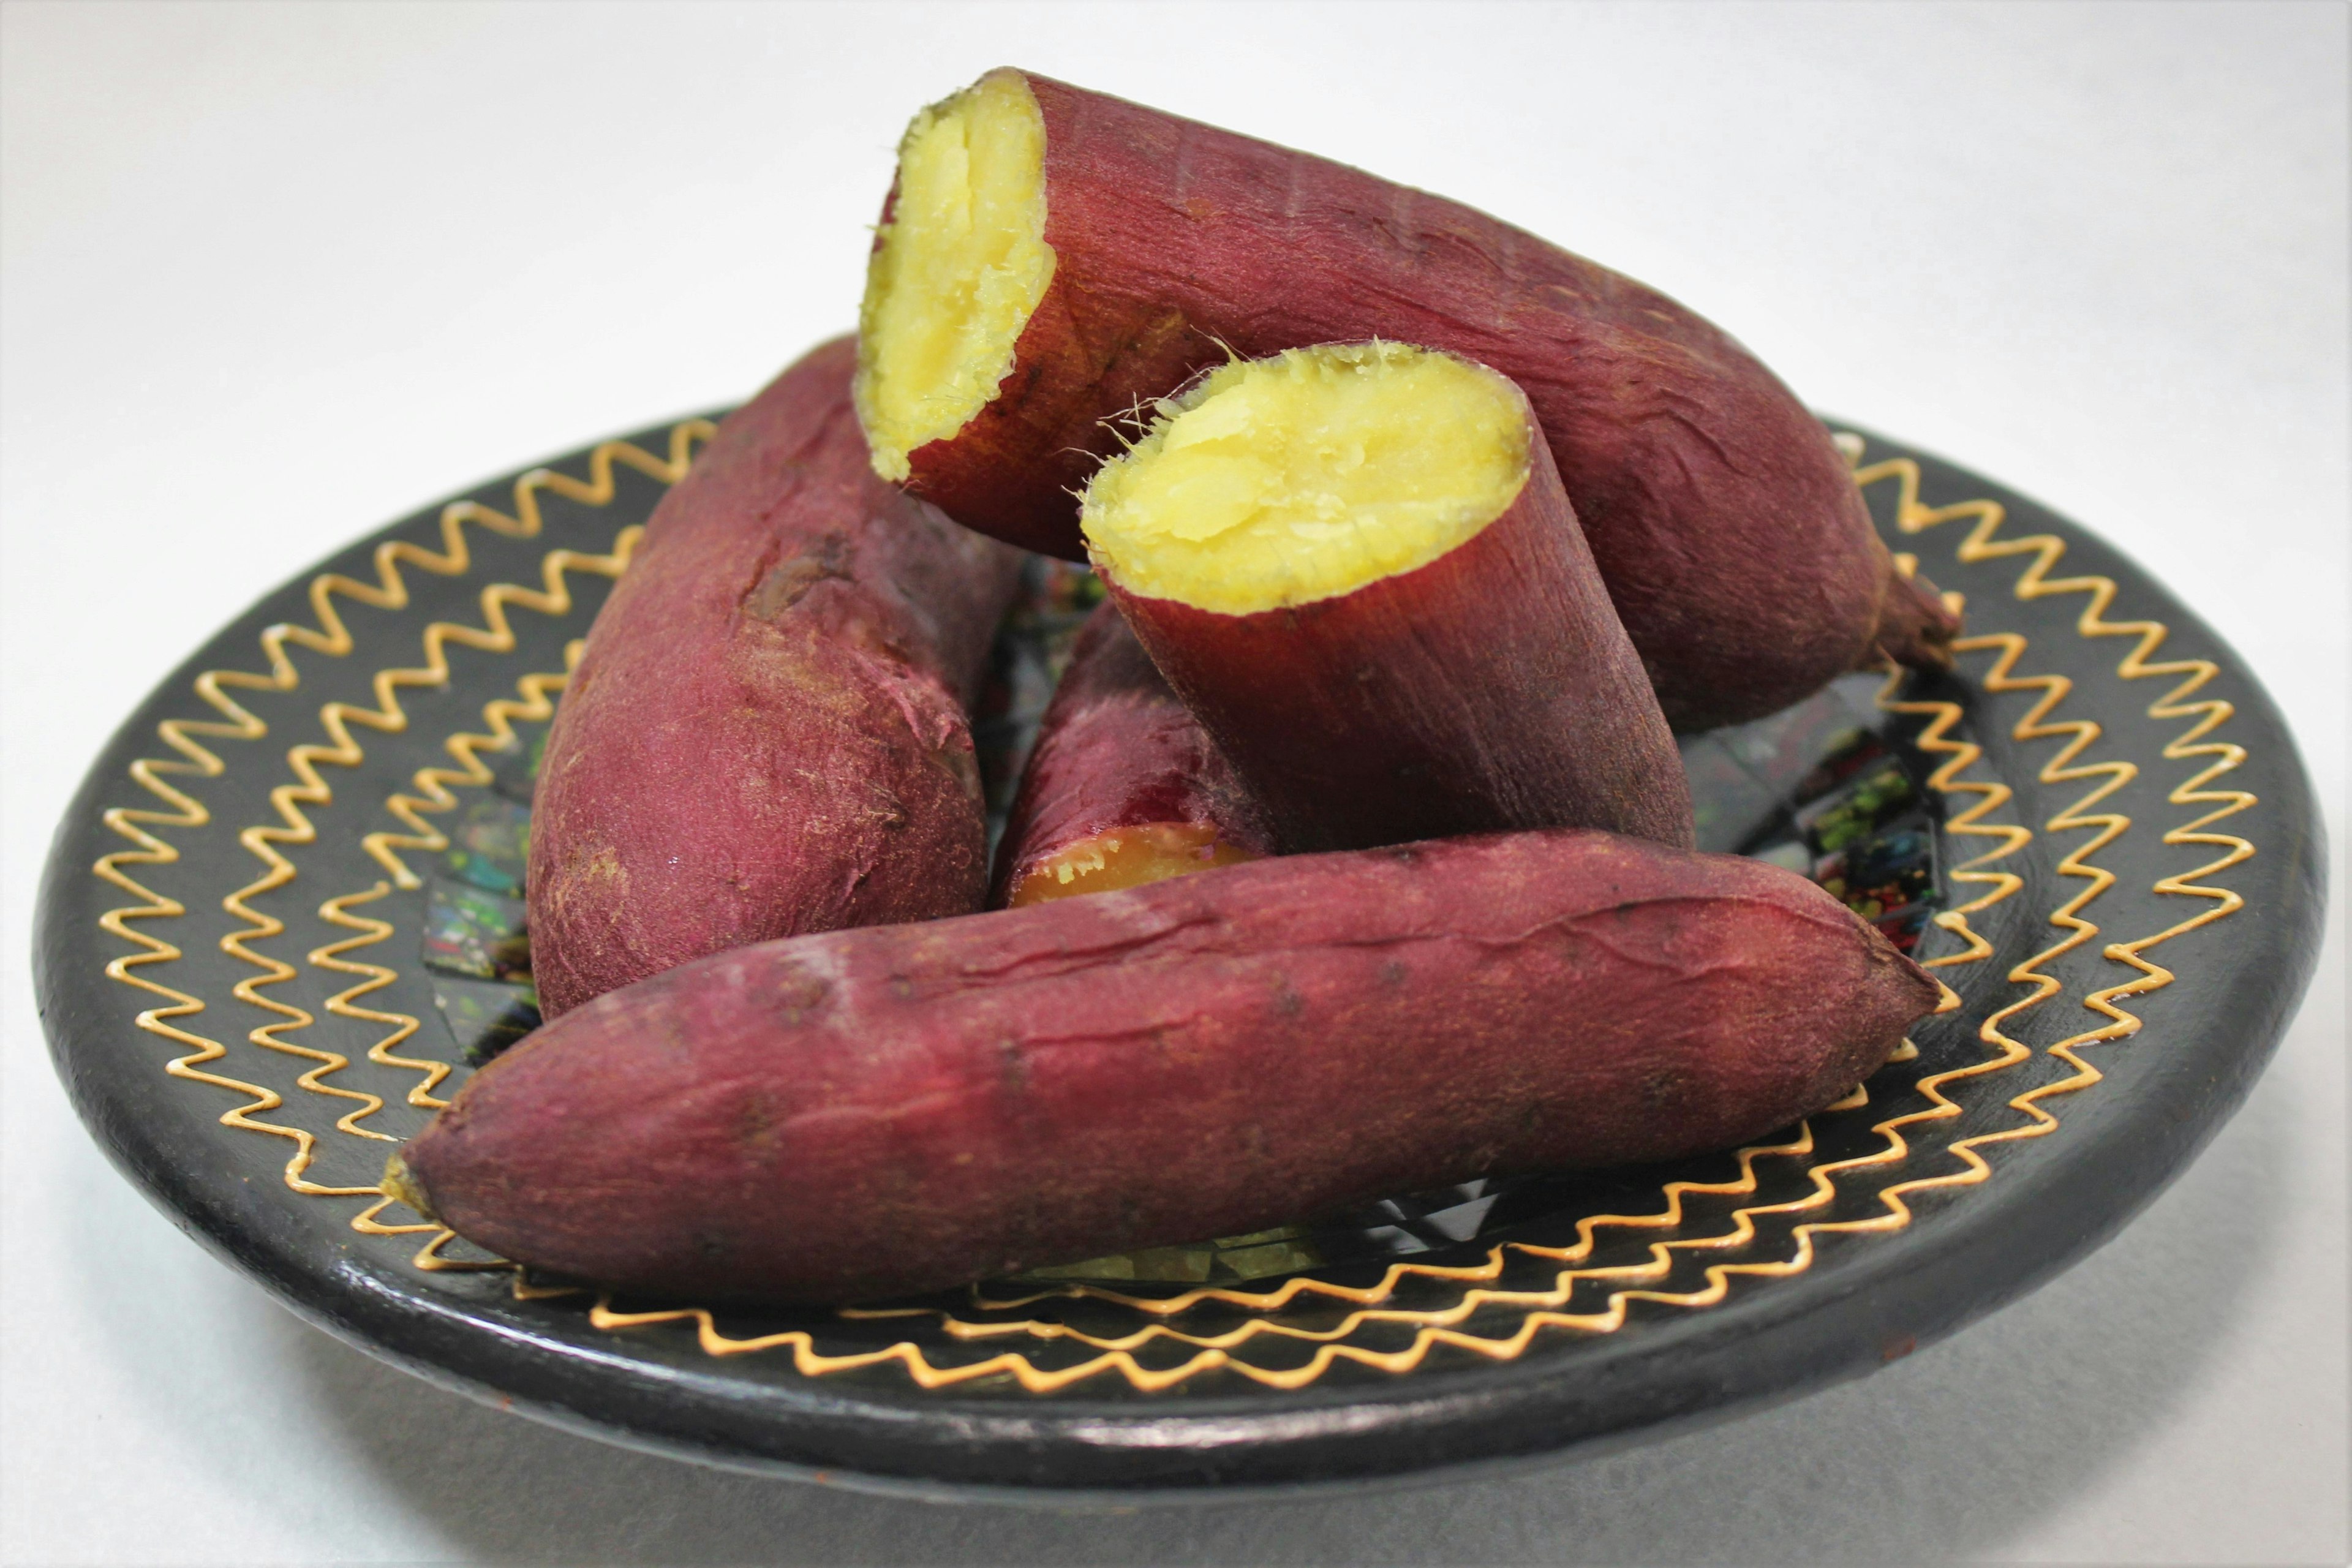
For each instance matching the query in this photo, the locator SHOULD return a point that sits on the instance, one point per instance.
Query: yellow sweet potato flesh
(1129, 857)
(1301, 476)
(958, 267)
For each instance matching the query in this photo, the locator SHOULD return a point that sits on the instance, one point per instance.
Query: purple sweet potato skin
(1493, 688)
(1117, 748)
(766, 735)
(1724, 519)
(895, 1108)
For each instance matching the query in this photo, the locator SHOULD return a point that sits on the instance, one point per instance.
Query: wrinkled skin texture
(766, 735)
(902, 1108)
(1492, 688)
(1117, 749)
(1723, 518)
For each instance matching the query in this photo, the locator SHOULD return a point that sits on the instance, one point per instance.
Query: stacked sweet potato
(1421, 536)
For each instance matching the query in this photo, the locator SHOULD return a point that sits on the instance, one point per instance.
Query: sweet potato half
(766, 735)
(1355, 563)
(894, 1108)
(1049, 257)
(1123, 787)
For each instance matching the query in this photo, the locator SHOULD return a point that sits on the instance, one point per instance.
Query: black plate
(279, 915)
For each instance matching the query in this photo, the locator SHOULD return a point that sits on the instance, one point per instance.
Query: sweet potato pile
(1353, 852)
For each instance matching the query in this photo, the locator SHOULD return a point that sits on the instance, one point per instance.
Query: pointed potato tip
(400, 1182)
(1916, 627)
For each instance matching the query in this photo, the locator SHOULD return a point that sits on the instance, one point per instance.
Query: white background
(275, 275)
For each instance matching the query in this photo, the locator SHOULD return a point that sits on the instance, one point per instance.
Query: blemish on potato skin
(797, 997)
(602, 868)
(781, 585)
(1663, 1089)
(757, 1127)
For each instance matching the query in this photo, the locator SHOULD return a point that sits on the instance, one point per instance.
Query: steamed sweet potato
(766, 735)
(1123, 787)
(1356, 565)
(1049, 257)
(900, 1108)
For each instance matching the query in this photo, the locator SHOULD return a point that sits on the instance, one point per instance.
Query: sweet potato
(1356, 565)
(898, 1108)
(1050, 256)
(1123, 787)
(766, 735)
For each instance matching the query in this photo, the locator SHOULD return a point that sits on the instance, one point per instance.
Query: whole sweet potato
(1125, 248)
(766, 735)
(893, 1108)
(1123, 785)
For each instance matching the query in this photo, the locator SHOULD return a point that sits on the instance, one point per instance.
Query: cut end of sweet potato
(958, 268)
(1308, 475)
(1128, 857)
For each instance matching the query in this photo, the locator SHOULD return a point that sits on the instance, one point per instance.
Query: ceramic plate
(282, 922)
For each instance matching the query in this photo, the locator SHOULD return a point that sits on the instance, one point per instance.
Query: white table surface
(275, 274)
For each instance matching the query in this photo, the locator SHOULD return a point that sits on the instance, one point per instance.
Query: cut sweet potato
(894, 1108)
(766, 735)
(1123, 787)
(1050, 258)
(1355, 563)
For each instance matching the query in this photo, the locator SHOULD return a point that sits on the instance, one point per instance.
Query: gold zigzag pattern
(1434, 1328)
(1983, 543)
(1117, 1356)
(2077, 735)
(294, 826)
(331, 635)
(344, 1004)
(1213, 1348)
(1991, 795)
(536, 703)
